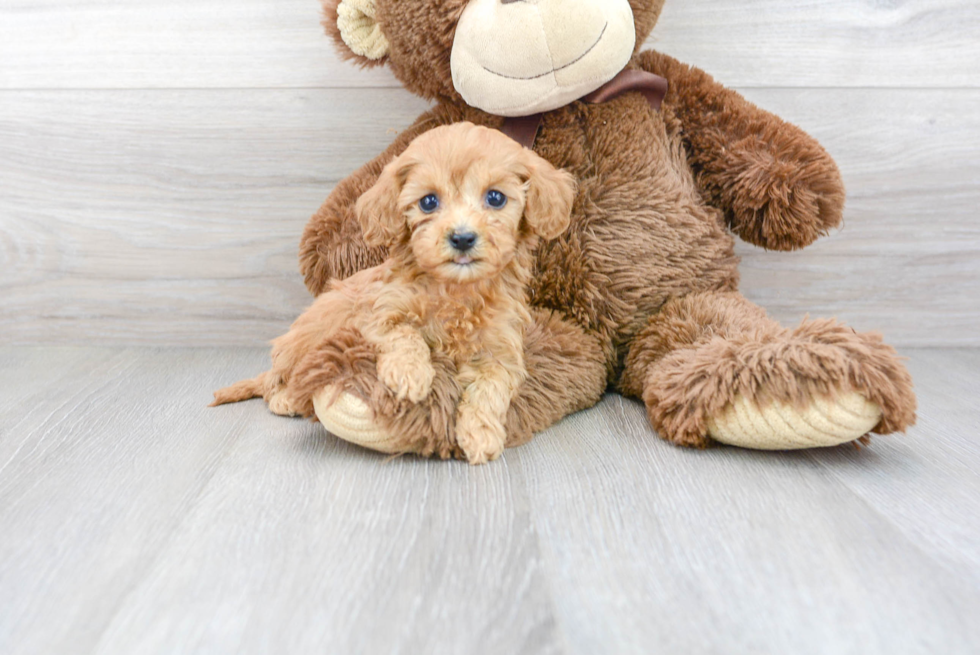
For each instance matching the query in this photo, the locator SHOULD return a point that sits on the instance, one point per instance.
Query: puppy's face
(462, 199)
(464, 215)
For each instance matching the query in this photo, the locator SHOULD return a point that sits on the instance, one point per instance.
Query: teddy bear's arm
(777, 187)
(332, 246)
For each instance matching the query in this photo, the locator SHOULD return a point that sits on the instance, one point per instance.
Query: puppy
(460, 213)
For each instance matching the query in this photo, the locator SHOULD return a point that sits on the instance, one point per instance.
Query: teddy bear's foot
(349, 418)
(713, 367)
(781, 426)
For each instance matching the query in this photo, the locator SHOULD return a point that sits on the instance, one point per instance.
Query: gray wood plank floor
(133, 519)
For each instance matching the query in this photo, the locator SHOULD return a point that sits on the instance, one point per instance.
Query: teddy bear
(640, 295)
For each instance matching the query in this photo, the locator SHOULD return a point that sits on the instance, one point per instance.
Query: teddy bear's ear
(354, 25)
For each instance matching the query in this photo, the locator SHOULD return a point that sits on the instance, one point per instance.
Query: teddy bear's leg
(338, 384)
(715, 366)
(567, 372)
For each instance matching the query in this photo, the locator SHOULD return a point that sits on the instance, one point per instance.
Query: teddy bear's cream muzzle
(521, 58)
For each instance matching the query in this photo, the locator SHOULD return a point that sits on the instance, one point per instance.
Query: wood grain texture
(832, 551)
(907, 260)
(99, 465)
(936, 480)
(170, 217)
(133, 519)
(173, 217)
(826, 43)
(128, 44)
(146, 522)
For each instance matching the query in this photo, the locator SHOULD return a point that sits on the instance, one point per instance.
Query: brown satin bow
(524, 129)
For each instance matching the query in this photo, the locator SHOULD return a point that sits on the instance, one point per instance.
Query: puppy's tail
(244, 390)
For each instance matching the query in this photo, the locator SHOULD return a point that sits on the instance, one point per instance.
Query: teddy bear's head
(506, 57)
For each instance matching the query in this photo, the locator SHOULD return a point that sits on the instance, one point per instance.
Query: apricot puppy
(460, 212)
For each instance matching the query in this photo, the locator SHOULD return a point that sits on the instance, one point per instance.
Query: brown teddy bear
(641, 293)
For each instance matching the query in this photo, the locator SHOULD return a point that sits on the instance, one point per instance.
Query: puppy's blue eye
(496, 199)
(429, 204)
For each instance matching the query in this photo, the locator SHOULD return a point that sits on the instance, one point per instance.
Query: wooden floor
(133, 519)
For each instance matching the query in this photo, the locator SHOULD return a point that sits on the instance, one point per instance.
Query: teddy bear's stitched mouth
(553, 70)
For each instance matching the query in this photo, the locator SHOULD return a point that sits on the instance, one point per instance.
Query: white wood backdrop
(158, 160)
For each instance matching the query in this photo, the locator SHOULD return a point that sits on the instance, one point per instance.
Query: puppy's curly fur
(463, 299)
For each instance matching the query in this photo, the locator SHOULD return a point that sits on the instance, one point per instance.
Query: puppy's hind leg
(313, 326)
(267, 385)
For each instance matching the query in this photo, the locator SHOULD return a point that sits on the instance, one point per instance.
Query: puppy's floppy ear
(354, 26)
(550, 194)
(377, 210)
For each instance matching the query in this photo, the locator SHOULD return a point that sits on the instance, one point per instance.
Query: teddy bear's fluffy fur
(641, 293)
(467, 306)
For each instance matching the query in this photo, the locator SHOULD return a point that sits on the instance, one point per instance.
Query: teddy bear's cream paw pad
(780, 426)
(349, 418)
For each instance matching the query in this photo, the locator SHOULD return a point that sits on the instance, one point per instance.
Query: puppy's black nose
(463, 241)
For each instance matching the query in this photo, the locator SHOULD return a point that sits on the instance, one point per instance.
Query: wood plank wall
(158, 160)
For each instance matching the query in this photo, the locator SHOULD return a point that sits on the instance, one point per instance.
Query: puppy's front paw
(481, 438)
(411, 380)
